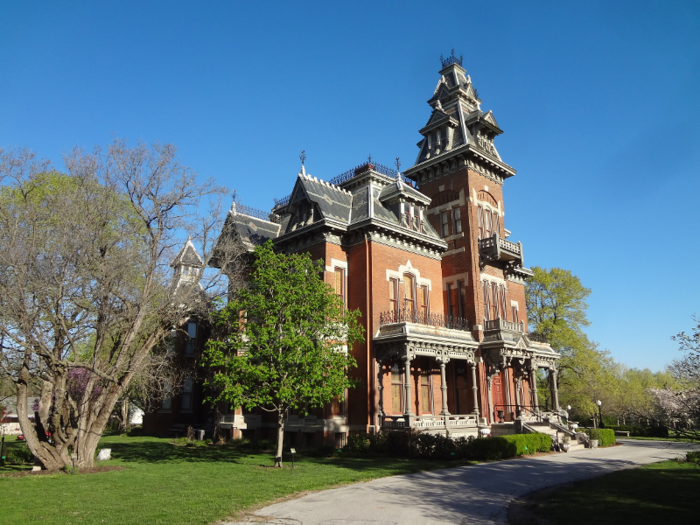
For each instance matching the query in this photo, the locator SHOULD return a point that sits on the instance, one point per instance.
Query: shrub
(605, 436)
(18, 454)
(693, 457)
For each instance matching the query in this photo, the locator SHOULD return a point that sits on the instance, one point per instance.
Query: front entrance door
(461, 387)
(497, 396)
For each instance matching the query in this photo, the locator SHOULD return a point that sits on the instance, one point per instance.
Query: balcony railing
(496, 248)
(502, 324)
(410, 315)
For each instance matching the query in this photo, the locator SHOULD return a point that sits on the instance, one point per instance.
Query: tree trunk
(50, 457)
(280, 439)
(45, 402)
(125, 415)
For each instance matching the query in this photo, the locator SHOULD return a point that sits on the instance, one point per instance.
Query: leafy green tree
(283, 340)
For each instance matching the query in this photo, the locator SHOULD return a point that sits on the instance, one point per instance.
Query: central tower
(483, 275)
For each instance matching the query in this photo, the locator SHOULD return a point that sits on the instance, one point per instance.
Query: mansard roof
(369, 195)
(458, 122)
(333, 202)
(250, 226)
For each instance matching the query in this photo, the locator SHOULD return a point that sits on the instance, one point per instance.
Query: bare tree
(86, 297)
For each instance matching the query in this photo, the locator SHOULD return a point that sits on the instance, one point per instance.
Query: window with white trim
(444, 224)
(456, 220)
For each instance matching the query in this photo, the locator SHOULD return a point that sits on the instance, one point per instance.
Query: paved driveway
(476, 494)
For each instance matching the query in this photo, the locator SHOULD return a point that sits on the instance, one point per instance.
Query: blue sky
(599, 102)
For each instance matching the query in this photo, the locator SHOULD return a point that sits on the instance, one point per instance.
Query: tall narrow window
(186, 397)
(504, 307)
(191, 338)
(496, 223)
(423, 303)
(481, 222)
(339, 283)
(444, 224)
(393, 295)
(460, 298)
(487, 305)
(487, 224)
(396, 390)
(456, 220)
(514, 313)
(426, 405)
(449, 299)
(494, 301)
(409, 293)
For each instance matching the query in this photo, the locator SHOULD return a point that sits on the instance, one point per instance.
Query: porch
(430, 372)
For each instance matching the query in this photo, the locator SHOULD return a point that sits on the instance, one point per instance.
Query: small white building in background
(135, 415)
(10, 423)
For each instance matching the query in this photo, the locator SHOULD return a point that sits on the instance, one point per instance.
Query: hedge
(605, 436)
(635, 430)
(503, 447)
(436, 446)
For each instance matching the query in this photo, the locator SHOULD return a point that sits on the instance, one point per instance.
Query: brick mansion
(427, 258)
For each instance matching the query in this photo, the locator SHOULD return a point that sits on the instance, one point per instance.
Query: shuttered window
(409, 293)
(423, 302)
(456, 220)
(339, 283)
(396, 390)
(393, 295)
(426, 405)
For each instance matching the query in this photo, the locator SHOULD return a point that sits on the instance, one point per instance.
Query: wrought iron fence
(258, 214)
(283, 201)
(410, 315)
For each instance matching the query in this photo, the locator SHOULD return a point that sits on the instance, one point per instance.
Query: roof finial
(303, 156)
(233, 204)
(398, 169)
(369, 159)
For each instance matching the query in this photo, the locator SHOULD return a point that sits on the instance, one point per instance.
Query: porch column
(407, 385)
(518, 403)
(443, 387)
(555, 390)
(533, 383)
(489, 381)
(506, 385)
(475, 390)
(380, 389)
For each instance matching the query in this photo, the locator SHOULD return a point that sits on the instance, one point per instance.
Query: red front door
(497, 396)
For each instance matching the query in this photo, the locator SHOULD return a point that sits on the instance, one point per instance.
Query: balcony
(495, 248)
(409, 315)
(502, 324)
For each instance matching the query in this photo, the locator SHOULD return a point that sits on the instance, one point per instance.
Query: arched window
(409, 291)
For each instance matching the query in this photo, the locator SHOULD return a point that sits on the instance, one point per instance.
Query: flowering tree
(679, 408)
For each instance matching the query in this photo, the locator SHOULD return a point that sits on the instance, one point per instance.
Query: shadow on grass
(163, 451)
(643, 495)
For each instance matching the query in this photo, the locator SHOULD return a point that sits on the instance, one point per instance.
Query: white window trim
(335, 263)
(499, 209)
(452, 280)
(494, 279)
(408, 268)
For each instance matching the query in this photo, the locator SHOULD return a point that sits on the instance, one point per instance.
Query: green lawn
(669, 438)
(663, 492)
(164, 483)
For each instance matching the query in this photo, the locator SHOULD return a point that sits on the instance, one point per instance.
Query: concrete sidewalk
(462, 495)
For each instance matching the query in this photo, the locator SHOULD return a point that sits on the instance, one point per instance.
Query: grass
(163, 483)
(663, 492)
(669, 438)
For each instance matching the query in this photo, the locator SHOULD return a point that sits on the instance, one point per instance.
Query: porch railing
(429, 422)
(412, 315)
